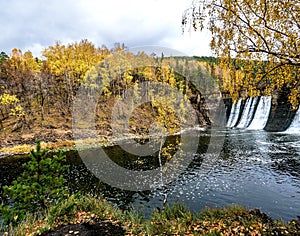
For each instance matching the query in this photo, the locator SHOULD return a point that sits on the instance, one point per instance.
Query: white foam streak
(262, 113)
(295, 125)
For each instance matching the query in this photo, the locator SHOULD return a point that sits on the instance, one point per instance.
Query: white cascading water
(245, 115)
(251, 112)
(234, 114)
(231, 115)
(295, 125)
(261, 114)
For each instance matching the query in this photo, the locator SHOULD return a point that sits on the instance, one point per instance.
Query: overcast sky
(36, 24)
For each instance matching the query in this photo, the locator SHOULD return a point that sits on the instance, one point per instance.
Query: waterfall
(234, 114)
(245, 115)
(251, 112)
(233, 107)
(248, 112)
(295, 125)
(262, 113)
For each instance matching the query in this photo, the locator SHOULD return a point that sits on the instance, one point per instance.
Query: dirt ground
(95, 227)
(30, 136)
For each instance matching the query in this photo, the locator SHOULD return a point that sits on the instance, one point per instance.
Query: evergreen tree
(41, 185)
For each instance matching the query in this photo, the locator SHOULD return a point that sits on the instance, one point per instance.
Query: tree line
(34, 89)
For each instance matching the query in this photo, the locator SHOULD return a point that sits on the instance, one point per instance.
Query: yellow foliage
(260, 36)
(11, 102)
(7, 99)
(74, 61)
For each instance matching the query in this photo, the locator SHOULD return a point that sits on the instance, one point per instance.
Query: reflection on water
(256, 169)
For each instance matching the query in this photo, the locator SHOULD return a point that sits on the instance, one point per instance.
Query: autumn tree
(10, 106)
(17, 76)
(18, 72)
(68, 65)
(44, 90)
(266, 33)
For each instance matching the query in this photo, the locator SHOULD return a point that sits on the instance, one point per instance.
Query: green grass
(173, 220)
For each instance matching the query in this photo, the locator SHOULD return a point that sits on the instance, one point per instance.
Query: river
(253, 168)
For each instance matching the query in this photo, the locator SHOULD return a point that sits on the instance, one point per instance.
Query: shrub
(41, 185)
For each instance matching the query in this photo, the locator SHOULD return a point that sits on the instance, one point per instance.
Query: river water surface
(253, 168)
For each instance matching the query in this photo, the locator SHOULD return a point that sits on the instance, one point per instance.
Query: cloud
(33, 25)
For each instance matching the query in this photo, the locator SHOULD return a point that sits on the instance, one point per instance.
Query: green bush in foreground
(39, 186)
